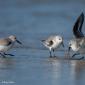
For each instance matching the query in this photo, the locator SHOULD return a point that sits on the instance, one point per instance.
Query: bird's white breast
(75, 48)
(5, 48)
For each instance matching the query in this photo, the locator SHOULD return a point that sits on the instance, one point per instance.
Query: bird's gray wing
(77, 29)
(5, 42)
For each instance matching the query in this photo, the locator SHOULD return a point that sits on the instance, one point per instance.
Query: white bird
(78, 44)
(53, 42)
(7, 43)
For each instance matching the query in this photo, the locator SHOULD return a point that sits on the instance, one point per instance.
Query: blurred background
(34, 20)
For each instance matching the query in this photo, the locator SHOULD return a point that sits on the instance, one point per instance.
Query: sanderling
(6, 44)
(53, 42)
(78, 44)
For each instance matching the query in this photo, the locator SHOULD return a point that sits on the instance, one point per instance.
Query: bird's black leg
(54, 53)
(2, 54)
(8, 54)
(50, 54)
(81, 58)
(78, 54)
(75, 54)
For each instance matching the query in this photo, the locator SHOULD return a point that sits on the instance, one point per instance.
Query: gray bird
(78, 43)
(7, 43)
(53, 42)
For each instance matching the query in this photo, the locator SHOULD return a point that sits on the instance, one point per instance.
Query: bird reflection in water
(6, 63)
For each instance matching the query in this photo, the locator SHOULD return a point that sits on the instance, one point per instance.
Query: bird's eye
(59, 39)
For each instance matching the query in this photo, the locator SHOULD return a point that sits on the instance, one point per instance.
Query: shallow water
(32, 21)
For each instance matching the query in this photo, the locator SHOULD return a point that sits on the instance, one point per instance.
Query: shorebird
(78, 43)
(6, 44)
(53, 42)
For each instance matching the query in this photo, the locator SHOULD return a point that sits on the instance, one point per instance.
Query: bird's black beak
(62, 44)
(18, 41)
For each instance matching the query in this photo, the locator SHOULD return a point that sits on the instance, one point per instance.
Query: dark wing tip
(42, 40)
(9, 43)
(78, 26)
(82, 14)
(82, 17)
